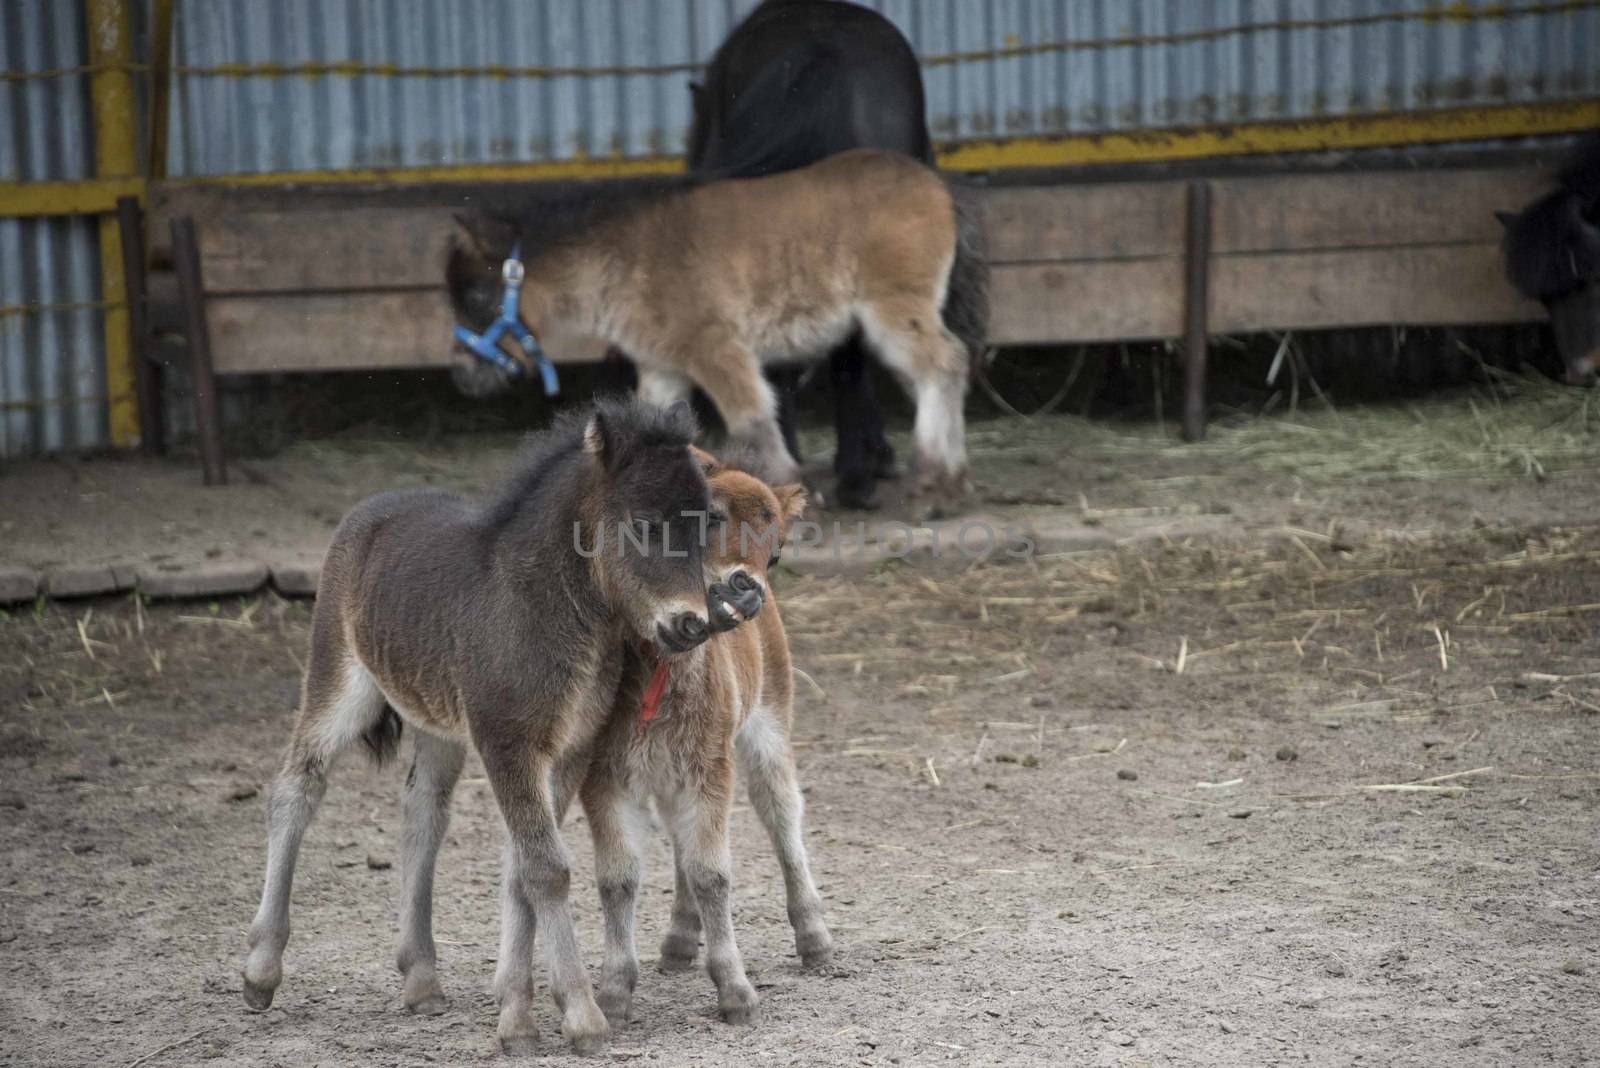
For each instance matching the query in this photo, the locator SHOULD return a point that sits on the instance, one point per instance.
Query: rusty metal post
(146, 375)
(111, 91)
(207, 421)
(1196, 296)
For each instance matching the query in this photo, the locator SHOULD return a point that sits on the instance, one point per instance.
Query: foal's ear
(488, 237)
(709, 465)
(1506, 218)
(599, 440)
(791, 500)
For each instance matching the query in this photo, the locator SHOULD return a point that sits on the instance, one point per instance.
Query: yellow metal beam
(111, 91)
(1310, 135)
(553, 170)
(93, 196)
(22, 199)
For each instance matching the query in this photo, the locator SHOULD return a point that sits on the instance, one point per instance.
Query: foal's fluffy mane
(629, 423)
(557, 217)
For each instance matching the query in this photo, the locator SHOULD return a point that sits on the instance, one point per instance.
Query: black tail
(966, 299)
(382, 739)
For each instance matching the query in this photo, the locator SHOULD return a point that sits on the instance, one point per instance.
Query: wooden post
(160, 86)
(1196, 294)
(111, 91)
(146, 375)
(207, 422)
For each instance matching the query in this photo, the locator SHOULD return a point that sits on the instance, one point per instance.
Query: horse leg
(730, 376)
(534, 895)
(862, 452)
(339, 702)
(767, 763)
(699, 824)
(618, 824)
(425, 811)
(786, 389)
(931, 364)
(682, 941)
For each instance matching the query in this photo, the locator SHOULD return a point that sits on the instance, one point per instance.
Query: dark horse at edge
(1552, 254)
(796, 81)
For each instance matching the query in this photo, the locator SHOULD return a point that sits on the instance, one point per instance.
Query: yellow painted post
(111, 89)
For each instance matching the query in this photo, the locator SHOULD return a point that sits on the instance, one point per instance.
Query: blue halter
(486, 345)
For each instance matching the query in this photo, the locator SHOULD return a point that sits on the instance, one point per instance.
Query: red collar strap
(650, 703)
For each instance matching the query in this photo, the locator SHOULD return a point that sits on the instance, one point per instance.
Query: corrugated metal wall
(52, 367)
(1042, 67)
(1086, 66)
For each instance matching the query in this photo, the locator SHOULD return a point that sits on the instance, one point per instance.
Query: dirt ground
(1323, 787)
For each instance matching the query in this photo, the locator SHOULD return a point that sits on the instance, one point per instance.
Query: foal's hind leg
(931, 364)
(682, 941)
(426, 816)
(767, 763)
(699, 824)
(340, 702)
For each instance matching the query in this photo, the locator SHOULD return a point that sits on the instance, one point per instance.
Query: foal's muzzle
(734, 601)
(685, 631)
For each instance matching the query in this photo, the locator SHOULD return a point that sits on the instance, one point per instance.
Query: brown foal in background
(680, 726)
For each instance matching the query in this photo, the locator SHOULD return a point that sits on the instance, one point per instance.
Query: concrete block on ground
(213, 578)
(296, 578)
(87, 580)
(18, 584)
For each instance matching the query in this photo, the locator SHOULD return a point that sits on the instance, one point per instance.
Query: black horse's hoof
(857, 494)
(883, 465)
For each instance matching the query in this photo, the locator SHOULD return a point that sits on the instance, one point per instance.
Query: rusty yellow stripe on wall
(1316, 135)
(1310, 135)
(111, 91)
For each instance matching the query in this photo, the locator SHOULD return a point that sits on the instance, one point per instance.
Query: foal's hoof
(586, 1028)
(258, 998)
(422, 994)
(739, 1006)
(521, 1045)
(815, 950)
(518, 1034)
(677, 954)
(432, 1005)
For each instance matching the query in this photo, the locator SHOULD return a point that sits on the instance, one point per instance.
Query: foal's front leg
(730, 375)
(617, 823)
(535, 888)
(699, 823)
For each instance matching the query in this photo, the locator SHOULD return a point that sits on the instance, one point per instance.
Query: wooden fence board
(262, 334)
(1109, 301)
(1418, 286)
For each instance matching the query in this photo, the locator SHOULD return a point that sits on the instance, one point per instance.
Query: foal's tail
(382, 739)
(966, 298)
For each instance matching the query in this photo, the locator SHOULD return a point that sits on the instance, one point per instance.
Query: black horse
(796, 81)
(1552, 254)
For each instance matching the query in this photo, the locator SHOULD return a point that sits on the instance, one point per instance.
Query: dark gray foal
(501, 625)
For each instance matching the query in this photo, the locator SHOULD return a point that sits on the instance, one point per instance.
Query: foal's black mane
(630, 425)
